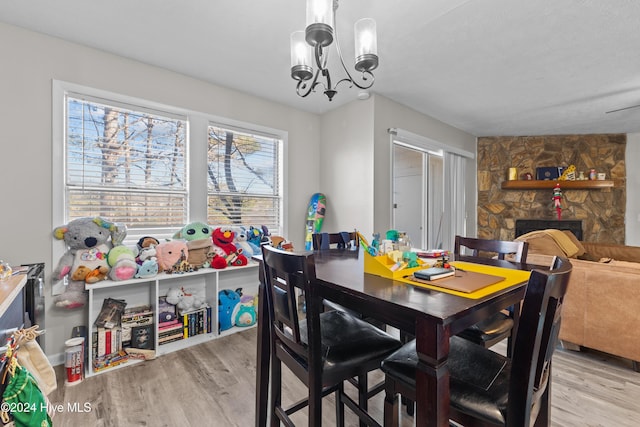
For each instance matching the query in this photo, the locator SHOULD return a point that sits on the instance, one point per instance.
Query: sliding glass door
(418, 194)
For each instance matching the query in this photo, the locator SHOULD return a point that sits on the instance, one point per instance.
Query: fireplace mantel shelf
(547, 184)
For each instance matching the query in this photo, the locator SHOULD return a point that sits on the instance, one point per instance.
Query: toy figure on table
(557, 200)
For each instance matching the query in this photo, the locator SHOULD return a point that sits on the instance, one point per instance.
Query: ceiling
(490, 67)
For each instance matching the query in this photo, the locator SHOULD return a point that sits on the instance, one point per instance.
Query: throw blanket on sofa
(563, 241)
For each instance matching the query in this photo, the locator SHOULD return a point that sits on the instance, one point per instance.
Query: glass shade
(366, 41)
(366, 38)
(300, 50)
(301, 68)
(320, 12)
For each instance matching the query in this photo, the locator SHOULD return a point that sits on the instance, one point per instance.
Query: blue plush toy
(228, 301)
(254, 236)
(244, 315)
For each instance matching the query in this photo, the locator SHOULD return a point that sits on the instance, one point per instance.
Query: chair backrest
(487, 248)
(536, 340)
(294, 332)
(348, 240)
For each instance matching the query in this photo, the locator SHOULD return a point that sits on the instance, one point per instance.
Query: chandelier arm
(344, 67)
(360, 86)
(302, 85)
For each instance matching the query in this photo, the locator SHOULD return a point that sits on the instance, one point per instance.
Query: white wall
(29, 63)
(346, 174)
(632, 216)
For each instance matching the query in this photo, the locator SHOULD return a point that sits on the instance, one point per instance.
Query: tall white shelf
(147, 291)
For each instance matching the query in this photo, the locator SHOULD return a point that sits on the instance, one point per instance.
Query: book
(111, 313)
(169, 323)
(170, 331)
(101, 342)
(434, 273)
(137, 311)
(142, 337)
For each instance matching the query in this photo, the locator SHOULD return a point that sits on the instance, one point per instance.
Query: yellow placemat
(511, 278)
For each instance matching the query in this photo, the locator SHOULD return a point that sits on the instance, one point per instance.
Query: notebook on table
(462, 281)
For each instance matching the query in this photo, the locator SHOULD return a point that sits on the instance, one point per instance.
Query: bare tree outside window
(243, 178)
(129, 164)
(126, 166)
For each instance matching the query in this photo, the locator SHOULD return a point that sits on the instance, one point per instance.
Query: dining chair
(499, 326)
(486, 388)
(340, 240)
(322, 348)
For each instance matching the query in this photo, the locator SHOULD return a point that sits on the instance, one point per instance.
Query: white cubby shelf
(207, 281)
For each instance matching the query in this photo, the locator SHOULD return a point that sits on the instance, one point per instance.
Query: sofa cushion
(597, 251)
(553, 242)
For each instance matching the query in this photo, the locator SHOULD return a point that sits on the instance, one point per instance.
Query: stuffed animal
(88, 241)
(147, 241)
(254, 236)
(185, 301)
(281, 243)
(122, 261)
(198, 237)
(228, 300)
(146, 253)
(148, 268)
(266, 236)
(96, 275)
(242, 241)
(245, 315)
(170, 253)
(226, 253)
(193, 231)
(146, 247)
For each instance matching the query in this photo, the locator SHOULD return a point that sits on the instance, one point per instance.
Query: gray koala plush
(88, 241)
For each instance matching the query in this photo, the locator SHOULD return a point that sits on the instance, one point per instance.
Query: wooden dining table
(432, 316)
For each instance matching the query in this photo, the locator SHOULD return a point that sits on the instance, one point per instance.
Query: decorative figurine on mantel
(557, 200)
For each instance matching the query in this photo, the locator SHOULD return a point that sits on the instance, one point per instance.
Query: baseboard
(56, 359)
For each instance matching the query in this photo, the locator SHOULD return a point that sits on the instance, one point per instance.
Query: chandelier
(318, 37)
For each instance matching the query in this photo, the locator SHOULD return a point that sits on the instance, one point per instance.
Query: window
(243, 178)
(155, 168)
(125, 165)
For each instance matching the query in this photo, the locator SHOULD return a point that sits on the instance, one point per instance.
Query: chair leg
(363, 395)
(339, 406)
(391, 418)
(276, 390)
(315, 403)
(409, 404)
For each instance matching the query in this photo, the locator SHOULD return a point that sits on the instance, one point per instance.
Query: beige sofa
(602, 305)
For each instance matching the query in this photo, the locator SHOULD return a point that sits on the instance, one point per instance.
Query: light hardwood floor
(213, 384)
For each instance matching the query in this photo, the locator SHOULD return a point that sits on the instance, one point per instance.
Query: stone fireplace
(600, 211)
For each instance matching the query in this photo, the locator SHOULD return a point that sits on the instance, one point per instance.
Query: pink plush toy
(171, 253)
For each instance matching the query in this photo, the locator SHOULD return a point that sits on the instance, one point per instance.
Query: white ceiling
(489, 67)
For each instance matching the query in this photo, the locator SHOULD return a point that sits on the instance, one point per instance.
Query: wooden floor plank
(213, 384)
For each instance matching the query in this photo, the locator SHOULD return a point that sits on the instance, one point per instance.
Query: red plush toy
(226, 252)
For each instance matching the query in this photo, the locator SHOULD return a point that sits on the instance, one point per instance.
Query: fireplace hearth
(524, 226)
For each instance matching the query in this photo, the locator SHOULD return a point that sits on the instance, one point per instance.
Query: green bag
(25, 400)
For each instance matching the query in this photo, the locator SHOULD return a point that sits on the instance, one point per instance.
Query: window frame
(197, 141)
(278, 197)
